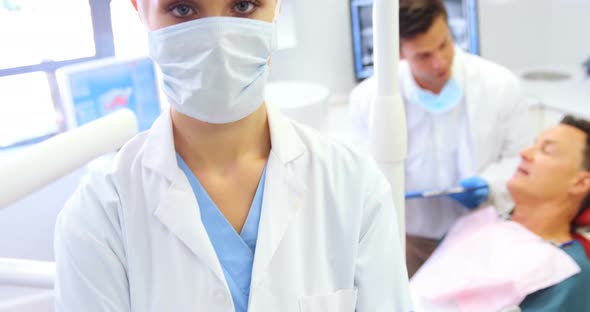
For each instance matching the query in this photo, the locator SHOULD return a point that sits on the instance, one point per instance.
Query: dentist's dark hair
(584, 126)
(417, 16)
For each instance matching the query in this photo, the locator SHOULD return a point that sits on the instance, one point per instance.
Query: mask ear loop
(277, 11)
(274, 22)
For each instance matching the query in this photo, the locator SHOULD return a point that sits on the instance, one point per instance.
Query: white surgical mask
(214, 69)
(450, 95)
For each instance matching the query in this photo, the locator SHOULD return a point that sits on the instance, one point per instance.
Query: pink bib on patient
(489, 264)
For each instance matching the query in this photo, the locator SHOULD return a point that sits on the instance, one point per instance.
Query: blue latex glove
(473, 198)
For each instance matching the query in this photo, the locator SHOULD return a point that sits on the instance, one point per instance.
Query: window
(36, 38)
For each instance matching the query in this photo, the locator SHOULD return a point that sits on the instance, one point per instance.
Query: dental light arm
(44, 163)
(387, 130)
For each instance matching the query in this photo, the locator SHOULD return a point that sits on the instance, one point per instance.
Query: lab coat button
(220, 296)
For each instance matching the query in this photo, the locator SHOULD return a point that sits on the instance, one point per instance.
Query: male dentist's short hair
(417, 16)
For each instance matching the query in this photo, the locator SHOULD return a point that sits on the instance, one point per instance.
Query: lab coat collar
(178, 209)
(179, 212)
(160, 153)
(283, 192)
(458, 70)
(460, 74)
(285, 142)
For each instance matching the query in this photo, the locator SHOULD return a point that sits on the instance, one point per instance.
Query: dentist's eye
(181, 10)
(245, 7)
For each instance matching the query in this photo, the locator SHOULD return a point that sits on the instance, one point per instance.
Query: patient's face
(552, 166)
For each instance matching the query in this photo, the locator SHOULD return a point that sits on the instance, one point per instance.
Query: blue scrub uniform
(234, 251)
(573, 294)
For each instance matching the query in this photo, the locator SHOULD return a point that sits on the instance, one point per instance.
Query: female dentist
(225, 205)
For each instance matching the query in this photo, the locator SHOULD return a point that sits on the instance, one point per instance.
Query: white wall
(323, 53)
(545, 34)
(27, 226)
(128, 31)
(516, 33)
(570, 34)
(528, 33)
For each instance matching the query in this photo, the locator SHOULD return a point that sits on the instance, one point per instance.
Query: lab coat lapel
(178, 209)
(460, 74)
(180, 213)
(468, 149)
(283, 192)
(470, 103)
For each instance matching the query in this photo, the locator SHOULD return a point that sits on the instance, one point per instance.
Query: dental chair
(582, 233)
(439, 278)
(26, 285)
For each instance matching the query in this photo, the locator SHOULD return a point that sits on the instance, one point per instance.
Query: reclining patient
(531, 260)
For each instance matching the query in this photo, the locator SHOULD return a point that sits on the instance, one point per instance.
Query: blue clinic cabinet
(463, 21)
(94, 89)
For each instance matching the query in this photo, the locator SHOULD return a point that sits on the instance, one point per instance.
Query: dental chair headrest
(583, 220)
(582, 224)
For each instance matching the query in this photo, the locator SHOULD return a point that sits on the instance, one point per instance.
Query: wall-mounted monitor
(463, 22)
(93, 89)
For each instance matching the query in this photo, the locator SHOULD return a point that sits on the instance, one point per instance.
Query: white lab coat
(499, 127)
(132, 239)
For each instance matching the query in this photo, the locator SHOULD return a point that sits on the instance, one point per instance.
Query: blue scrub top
(573, 294)
(234, 251)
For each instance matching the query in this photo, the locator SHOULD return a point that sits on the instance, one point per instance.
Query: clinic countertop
(570, 96)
